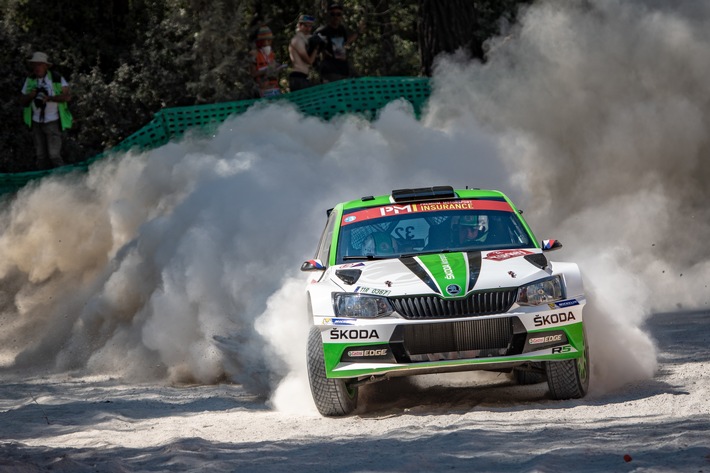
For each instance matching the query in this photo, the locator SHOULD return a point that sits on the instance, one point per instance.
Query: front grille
(434, 307)
(461, 336)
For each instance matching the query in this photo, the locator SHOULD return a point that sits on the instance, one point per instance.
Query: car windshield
(393, 231)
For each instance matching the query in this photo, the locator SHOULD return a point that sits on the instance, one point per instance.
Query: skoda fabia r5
(436, 280)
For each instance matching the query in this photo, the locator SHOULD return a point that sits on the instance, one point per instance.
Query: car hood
(448, 274)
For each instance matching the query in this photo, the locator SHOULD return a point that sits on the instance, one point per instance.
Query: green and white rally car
(436, 280)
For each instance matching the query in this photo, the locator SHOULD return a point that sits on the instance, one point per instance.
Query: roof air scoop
(423, 194)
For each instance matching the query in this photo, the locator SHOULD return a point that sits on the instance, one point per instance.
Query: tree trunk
(445, 26)
(387, 54)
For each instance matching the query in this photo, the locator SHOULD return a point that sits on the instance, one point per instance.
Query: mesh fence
(365, 96)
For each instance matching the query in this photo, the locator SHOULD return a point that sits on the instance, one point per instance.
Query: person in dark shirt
(335, 38)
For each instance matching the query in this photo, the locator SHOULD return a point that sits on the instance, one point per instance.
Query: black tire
(332, 396)
(569, 379)
(527, 376)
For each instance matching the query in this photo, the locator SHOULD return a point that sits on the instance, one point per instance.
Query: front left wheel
(332, 396)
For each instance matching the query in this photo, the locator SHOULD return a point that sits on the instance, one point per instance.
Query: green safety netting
(365, 96)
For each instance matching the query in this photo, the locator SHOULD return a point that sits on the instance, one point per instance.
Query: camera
(316, 42)
(39, 98)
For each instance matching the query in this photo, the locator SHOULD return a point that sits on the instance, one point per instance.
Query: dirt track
(474, 422)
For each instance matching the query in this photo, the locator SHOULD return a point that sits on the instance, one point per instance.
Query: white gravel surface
(462, 422)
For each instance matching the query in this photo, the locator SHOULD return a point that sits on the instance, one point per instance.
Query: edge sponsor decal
(352, 334)
(364, 353)
(553, 319)
(368, 354)
(541, 340)
(546, 339)
(502, 255)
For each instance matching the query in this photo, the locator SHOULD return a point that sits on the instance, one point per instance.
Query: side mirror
(550, 245)
(312, 265)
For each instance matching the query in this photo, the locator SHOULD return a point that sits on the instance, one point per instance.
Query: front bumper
(355, 348)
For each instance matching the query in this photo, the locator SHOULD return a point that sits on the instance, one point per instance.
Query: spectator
(264, 68)
(45, 95)
(334, 60)
(301, 58)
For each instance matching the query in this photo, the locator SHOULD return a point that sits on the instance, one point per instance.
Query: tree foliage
(127, 59)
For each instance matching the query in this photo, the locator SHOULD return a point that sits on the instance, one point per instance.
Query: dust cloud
(157, 265)
(180, 263)
(602, 108)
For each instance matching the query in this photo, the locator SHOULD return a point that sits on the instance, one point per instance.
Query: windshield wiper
(419, 253)
(367, 257)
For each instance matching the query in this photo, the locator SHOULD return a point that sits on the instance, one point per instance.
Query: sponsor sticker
(547, 339)
(352, 265)
(364, 353)
(394, 209)
(502, 255)
(339, 321)
(562, 304)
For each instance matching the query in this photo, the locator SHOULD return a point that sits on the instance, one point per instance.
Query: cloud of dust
(157, 265)
(602, 109)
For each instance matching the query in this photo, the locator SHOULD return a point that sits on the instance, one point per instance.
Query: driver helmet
(379, 243)
(473, 227)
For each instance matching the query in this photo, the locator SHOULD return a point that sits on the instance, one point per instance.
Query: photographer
(45, 95)
(302, 52)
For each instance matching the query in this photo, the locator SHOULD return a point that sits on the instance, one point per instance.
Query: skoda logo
(453, 289)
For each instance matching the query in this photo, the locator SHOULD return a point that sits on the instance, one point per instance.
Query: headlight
(541, 292)
(360, 305)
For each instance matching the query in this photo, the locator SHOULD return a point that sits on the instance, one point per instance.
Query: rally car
(434, 280)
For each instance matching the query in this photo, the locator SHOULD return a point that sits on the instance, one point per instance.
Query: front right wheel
(332, 396)
(569, 379)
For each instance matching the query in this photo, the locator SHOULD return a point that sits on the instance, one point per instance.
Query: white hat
(40, 57)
